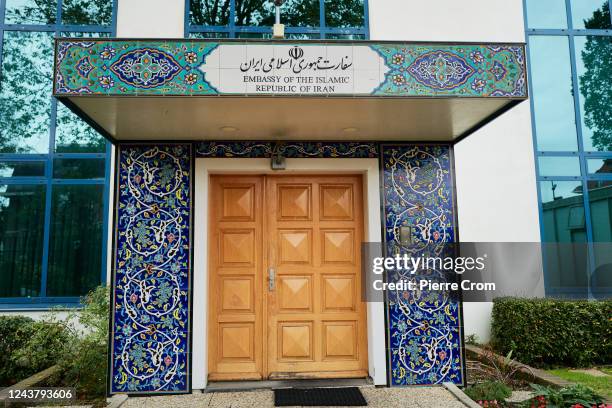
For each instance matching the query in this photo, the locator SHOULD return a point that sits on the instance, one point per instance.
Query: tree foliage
(596, 81)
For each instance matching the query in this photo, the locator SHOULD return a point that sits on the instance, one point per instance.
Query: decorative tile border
(149, 350)
(264, 149)
(457, 70)
(424, 328)
(203, 67)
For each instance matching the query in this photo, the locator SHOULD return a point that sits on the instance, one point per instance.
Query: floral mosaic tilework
(151, 280)
(458, 70)
(425, 327)
(176, 68)
(131, 67)
(264, 149)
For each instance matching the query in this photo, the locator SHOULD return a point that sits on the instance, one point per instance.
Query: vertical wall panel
(149, 349)
(424, 328)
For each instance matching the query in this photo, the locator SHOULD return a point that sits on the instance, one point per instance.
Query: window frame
(43, 301)
(583, 156)
(232, 29)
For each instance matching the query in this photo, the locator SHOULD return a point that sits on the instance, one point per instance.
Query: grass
(601, 385)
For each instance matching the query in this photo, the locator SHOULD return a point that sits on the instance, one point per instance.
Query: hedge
(551, 332)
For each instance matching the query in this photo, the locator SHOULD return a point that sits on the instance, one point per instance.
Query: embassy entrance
(284, 277)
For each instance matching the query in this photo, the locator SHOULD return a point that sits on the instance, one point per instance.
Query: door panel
(316, 321)
(235, 278)
(308, 321)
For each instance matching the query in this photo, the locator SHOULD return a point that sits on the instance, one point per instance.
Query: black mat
(334, 397)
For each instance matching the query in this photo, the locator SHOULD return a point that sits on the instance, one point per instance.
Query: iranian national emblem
(296, 52)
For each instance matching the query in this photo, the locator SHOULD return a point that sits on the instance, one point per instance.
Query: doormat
(334, 397)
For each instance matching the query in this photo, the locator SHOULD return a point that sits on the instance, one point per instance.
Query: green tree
(596, 82)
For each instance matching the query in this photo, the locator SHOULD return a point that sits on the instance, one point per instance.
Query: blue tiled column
(424, 328)
(150, 338)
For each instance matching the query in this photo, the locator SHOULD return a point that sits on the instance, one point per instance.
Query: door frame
(204, 167)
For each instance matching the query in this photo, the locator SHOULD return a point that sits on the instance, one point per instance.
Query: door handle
(271, 279)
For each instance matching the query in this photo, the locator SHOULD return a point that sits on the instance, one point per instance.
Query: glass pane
(25, 92)
(75, 247)
(254, 35)
(344, 13)
(30, 12)
(209, 35)
(345, 36)
(22, 169)
(591, 14)
(559, 166)
(73, 135)
(209, 12)
(22, 220)
(563, 221)
(594, 70)
(551, 80)
(546, 14)
(600, 198)
(294, 13)
(599, 166)
(87, 12)
(78, 168)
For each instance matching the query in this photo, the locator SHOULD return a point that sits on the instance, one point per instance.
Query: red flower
(436, 235)
(167, 361)
(442, 355)
(170, 237)
(133, 298)
(137, 178)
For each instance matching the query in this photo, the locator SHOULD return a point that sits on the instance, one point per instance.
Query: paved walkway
(416, 397)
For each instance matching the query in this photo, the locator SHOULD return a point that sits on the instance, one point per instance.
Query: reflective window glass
(600, 200)
(28, 168)
(591, 14)
(552, 93)
(344, 13)
(30, 12)
(25, 92)
(73, 135)
(564, 225)
(78, 168)
(87, 12)
(208, 35)
(294, 13)
(209, 12)
(559, 166)
(345, 36)
(22, 220)
(75, 247)
(594, 70)
(599, 166)
(546, 14)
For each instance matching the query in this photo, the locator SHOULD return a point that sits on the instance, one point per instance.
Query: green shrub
(84, 365)
(489, 391)
(14, 331)
(549, 332)
(28, 346)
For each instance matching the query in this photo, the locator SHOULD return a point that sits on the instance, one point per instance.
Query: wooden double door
(285, 278)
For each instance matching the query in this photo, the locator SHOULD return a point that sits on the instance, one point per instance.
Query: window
(303, 19)
(53, 166)
(570, 63)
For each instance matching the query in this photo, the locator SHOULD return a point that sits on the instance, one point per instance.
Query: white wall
(447, 20)
(151, 18)
(496, 194)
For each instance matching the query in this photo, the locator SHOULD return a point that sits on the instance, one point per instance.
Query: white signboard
(294, 69)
